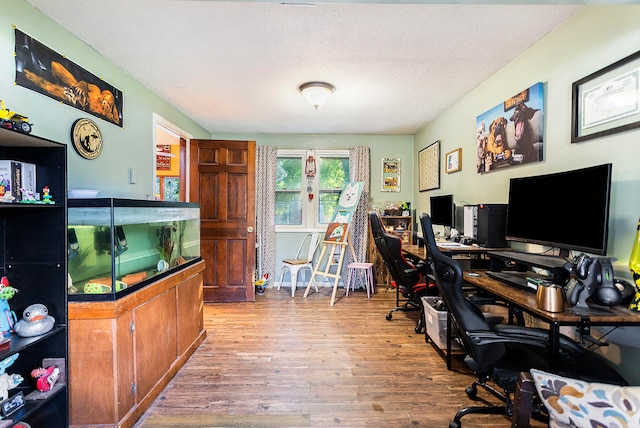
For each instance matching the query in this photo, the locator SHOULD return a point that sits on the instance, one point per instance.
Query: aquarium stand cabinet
(124, 352)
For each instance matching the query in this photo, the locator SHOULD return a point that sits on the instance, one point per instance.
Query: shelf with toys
(33, 284)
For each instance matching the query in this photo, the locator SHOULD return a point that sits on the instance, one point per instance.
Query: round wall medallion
(86, 138)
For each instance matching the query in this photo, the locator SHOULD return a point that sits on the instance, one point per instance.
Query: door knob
(249, 229)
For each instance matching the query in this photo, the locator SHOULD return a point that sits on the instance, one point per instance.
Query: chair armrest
(566, 343)
(523, 401)
(538, 337)
(486, 337)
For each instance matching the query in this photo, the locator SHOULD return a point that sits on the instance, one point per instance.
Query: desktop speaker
(492, 220)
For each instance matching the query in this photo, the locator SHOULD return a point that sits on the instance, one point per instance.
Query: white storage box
(436, 323)
(28, 178)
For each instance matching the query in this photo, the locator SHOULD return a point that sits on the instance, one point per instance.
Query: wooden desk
(421, 252)
(614, 316)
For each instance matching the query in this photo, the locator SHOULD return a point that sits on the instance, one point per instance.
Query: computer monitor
(567, 210)
(442, 210)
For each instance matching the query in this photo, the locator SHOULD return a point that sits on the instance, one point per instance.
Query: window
(309, 202)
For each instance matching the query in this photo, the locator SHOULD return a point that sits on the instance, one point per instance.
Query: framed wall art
(607, 101)
(390, 175)
(512, 132)
(429, 167)
(43, 70)
(453, 161)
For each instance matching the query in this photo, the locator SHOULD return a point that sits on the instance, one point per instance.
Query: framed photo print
(390, 175)
(607, 101)
(453, 161)
(512, 132)
(429, 167)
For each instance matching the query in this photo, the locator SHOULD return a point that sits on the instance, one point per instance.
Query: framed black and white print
(607, 101)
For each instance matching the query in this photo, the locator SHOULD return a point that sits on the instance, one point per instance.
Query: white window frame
(310, 209)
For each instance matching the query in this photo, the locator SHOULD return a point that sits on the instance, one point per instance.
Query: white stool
(367, 270)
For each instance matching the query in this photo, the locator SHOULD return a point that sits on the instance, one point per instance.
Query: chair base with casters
(367, 271)
(407, 277)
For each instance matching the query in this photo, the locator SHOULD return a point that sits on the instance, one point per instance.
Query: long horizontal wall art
(43, 70)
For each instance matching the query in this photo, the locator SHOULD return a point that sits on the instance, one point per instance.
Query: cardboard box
(15, 176)
(436, 323)
(10, 177)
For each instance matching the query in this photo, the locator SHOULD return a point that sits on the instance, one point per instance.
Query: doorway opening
(171, 152)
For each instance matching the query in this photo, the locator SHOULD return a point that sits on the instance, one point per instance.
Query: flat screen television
(567, 210)
(442, 211)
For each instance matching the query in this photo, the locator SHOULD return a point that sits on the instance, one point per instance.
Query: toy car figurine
(12, 120)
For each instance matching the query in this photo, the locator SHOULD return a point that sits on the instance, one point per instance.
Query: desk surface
(616, 315)
(421, 252)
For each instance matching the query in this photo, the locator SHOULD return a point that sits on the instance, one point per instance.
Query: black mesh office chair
(409, 278)
(501, 352)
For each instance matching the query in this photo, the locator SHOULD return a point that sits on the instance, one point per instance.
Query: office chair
(501, 352)
(300, 263)
(409, 279)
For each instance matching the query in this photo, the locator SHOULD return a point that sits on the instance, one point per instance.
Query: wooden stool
(367, 270)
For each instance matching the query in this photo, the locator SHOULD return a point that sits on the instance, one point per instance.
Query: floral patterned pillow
(575, 403)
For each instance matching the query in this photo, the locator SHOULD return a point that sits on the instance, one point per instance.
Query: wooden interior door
(222, 180)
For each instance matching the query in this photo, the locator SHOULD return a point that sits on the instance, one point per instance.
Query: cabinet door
(92, 371)
(190, 322)
(154, 340)
(124, 364)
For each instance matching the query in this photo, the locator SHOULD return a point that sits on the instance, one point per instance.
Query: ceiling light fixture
(316, 93)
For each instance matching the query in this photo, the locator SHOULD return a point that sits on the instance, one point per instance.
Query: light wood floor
(283, 362)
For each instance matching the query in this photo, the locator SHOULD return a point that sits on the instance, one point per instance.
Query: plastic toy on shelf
(12, 120)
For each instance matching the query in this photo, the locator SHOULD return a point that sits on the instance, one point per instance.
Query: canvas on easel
(336, 238)
(336, 232)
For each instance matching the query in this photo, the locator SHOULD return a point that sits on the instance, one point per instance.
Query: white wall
(594, 38)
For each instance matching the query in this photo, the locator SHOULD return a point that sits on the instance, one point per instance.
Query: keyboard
(449, 244)
(517, 279)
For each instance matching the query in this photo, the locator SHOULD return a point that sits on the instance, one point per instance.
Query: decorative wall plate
(86, 138)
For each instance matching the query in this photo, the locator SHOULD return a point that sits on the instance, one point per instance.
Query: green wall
(382, 146)
(129, 147)
(594, 38)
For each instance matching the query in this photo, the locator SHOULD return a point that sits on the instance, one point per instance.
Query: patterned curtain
(266, 161)
(359, 167)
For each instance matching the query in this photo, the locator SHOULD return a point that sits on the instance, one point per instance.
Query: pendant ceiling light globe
(316, 93)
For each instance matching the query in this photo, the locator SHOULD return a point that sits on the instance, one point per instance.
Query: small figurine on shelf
(35, 321)
(8, 381)
(46, 197)
(5, 189)
(28, 197)
(7, 316)
(47, 377)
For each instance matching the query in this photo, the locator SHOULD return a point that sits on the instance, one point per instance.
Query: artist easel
(330, 247)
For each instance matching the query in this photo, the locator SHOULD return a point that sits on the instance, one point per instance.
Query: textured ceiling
(234, 67)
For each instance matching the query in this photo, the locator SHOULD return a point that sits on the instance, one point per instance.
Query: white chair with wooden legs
(311, 242)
